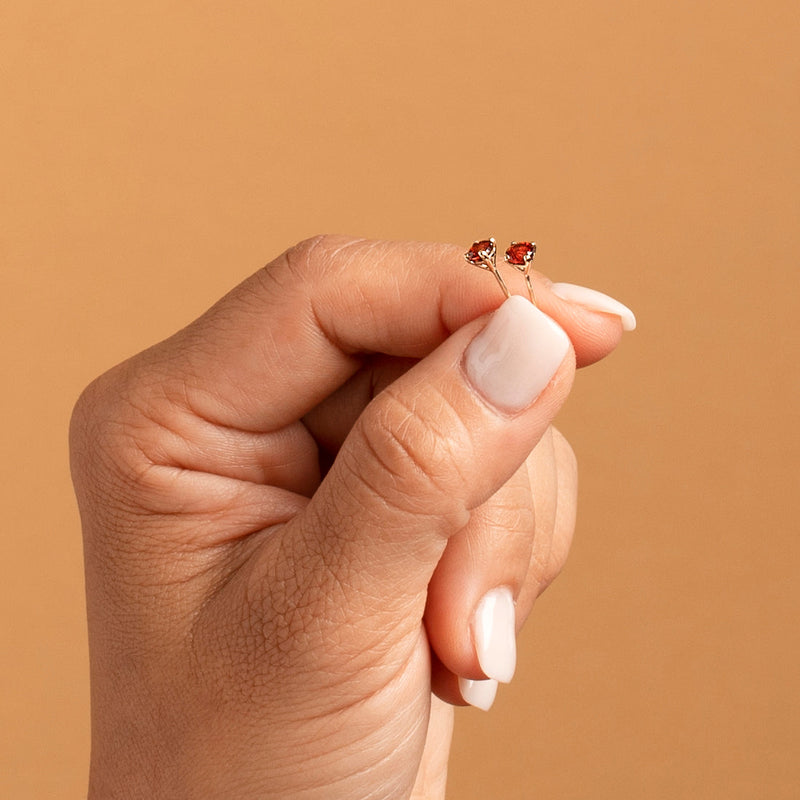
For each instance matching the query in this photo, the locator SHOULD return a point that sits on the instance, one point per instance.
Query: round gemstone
(480, 251)
(519, 254)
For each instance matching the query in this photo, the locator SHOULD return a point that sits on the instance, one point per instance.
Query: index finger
(283, 340)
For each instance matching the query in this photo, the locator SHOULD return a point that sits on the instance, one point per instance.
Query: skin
(291, 509)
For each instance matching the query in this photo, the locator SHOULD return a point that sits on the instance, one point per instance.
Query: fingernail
(516, 355)
(495, 634)
(480, 694)
(597, 301)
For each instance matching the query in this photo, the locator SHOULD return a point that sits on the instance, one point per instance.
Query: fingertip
(597, 335)
(595, 301)
(594, 332)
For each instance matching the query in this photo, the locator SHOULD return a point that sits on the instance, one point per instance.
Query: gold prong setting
(483, 254)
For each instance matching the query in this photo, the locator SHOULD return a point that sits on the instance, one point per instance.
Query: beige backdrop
(155, 153)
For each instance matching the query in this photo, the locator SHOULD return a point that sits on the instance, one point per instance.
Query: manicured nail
(597, 301)
(495, 634)
(516, 355)
(480, 694)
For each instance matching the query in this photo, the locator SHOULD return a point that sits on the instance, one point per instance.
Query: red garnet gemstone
(520, 253)
(480, 251)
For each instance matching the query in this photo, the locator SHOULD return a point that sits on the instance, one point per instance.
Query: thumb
(433, 446)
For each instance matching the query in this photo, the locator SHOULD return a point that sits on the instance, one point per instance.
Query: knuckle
(117, 436)
(319, 254)
(413, 453)
(98, 418)
(308, 267)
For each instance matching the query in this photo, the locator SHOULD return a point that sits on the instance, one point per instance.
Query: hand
(293, 508)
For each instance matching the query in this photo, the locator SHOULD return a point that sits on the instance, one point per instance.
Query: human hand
(293, 508)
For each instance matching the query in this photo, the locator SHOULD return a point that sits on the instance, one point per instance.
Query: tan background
(155, 153)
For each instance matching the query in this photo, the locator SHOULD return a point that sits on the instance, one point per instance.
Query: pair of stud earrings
(519, 255)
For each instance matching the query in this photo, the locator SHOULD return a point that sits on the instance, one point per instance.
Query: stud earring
(520, 255)
(483, 254)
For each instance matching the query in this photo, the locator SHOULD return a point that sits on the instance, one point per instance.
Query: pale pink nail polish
(516, 355)
(495, 635)
(480, 694)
